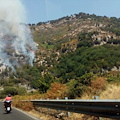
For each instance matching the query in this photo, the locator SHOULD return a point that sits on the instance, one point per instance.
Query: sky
(45, 10)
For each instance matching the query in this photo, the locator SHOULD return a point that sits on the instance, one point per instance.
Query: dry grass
(112, 92)
(107, 91)
(57, 90)
(45, 114)
(26, 106)
(96, 87)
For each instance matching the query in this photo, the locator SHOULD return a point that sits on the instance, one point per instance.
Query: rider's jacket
(8, 99)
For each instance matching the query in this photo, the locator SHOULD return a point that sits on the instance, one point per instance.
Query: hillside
(73, 50)
(66, 34)
(76, 48)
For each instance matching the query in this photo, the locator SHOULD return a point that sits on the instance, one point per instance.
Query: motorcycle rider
(8, 98)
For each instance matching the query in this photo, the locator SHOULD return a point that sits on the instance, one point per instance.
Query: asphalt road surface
(14, 114)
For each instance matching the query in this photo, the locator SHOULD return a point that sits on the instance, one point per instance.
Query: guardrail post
(58, 99)
(66, 98)
(48, 108)
(96, 98)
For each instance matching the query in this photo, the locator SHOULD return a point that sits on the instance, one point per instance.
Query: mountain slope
(67, 34)
(72, 50)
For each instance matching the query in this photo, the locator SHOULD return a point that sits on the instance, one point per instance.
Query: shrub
(10, 90)
(21, 91)
(45, 82)
(13, 91)
(27, 106)
(98, 85)
(57, 90)
(2, 94)
(75, 89)
(113, 78)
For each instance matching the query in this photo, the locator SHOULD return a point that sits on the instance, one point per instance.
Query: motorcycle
(8, 106)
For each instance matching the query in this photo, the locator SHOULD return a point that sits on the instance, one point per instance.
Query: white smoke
(16, 43)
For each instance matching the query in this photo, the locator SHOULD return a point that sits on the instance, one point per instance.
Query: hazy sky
(44, 10)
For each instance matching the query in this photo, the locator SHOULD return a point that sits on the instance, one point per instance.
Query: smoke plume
(16, 43)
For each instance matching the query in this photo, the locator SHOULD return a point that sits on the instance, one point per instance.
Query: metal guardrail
(100, 108)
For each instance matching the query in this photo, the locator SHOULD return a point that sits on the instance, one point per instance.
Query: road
(14, 115)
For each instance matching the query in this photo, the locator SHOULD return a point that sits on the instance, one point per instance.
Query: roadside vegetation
(100, 86)
(78, 57)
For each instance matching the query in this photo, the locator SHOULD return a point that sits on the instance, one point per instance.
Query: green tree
(10, 90)
(44, 83)
(75, 89)
(21, 91)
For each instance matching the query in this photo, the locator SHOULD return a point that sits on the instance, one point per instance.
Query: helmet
(9, 95)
